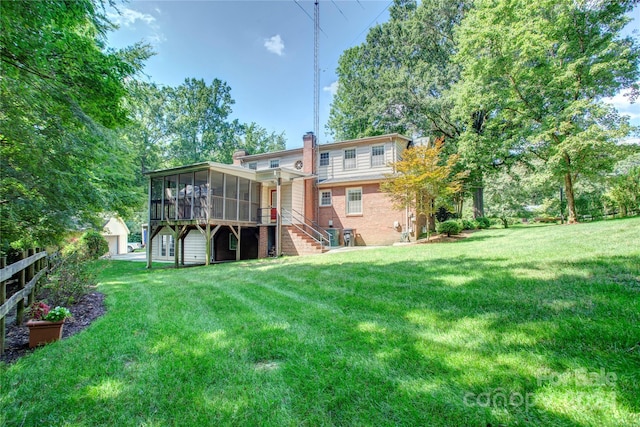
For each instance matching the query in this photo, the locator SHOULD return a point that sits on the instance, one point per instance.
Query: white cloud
(332, 88)
(149, 30)
(128, 17)
(624, 106)
(275, 45)
(632, 140)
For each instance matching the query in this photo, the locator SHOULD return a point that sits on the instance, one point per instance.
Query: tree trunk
(478, 201)
(571, 204)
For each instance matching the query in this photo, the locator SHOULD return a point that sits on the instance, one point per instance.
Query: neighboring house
(116, 232)
(290, 202)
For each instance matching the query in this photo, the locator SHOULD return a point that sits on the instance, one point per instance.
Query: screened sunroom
(203, 213)
(207, 192)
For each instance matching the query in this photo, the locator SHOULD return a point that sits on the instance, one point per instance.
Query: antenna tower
(316, 71)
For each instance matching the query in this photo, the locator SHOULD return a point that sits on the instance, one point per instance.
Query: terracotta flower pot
(43, 332)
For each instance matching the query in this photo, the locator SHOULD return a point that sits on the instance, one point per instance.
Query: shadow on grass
(452, 341)
(496, 332)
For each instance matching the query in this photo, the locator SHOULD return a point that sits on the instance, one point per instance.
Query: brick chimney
(237, 155)
(309, 153)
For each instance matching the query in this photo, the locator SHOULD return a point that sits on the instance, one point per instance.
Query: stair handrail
(296, 221)
(326, 237)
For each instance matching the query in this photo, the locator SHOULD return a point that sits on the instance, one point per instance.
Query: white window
(275, 163)
(325, 198)
(377, 155)
(324, 159)
(253, 165)
(350, 158)
(354, 201)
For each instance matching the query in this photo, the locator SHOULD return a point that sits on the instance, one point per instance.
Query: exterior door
(274, 211)
(167, 247)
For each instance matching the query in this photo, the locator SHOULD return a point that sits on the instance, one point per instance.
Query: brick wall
(263, 240)
(374, 226)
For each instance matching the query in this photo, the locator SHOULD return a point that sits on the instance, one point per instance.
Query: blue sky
(263, 49)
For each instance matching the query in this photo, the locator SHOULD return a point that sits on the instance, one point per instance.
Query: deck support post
(279, 216)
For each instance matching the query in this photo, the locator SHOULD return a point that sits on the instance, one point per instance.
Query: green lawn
(526, 326)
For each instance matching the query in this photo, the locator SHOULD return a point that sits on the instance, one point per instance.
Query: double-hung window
(325, 198)
(354, 201)
(274, 163)
(324, 159)
(377, 155)
(350, 158)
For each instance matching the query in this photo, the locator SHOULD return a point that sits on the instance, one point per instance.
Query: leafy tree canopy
(61, 94)
(539, 70)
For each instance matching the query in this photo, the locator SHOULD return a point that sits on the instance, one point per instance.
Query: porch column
(278, 216)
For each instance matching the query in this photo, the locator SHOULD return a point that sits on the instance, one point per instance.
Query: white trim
(353, 161)
(380, 158)
(328, 158)
(330, 198)
(347, 202)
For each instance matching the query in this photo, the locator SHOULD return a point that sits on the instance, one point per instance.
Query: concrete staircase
(295, 242)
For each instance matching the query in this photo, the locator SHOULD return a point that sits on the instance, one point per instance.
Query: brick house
(292, 202)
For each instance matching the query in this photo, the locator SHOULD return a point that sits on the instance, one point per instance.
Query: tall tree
(61, 93)
(400, 80)
(198, 119)
(256, 139)
(540, 70)
(147, 131)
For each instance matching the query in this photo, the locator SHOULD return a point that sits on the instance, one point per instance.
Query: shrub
(69, 280)
(483, 222)
(469, 224)
(93, 244)
(449, 227)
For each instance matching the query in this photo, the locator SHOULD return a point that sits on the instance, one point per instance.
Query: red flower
(39, 310)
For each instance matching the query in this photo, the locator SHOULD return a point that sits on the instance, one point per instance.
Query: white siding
(287, 162)
(286, 198)
(335, 169)
(194, 248)
(297, 195)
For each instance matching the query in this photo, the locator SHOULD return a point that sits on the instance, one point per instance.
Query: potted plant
(46, 323)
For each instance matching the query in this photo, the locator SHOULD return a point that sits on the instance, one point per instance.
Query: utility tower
(316, 71)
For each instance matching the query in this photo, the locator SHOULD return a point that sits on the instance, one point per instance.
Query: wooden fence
(27, 272)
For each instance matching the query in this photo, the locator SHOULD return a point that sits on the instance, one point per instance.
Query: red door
(274, 211)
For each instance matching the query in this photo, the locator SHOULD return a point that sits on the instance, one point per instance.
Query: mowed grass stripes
(525, 326)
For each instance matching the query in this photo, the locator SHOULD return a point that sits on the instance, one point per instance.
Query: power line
(340, 10)
(310, 17)
(303, 9)
(371, 23)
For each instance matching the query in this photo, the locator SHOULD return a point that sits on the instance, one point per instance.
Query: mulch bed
(89, 308)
